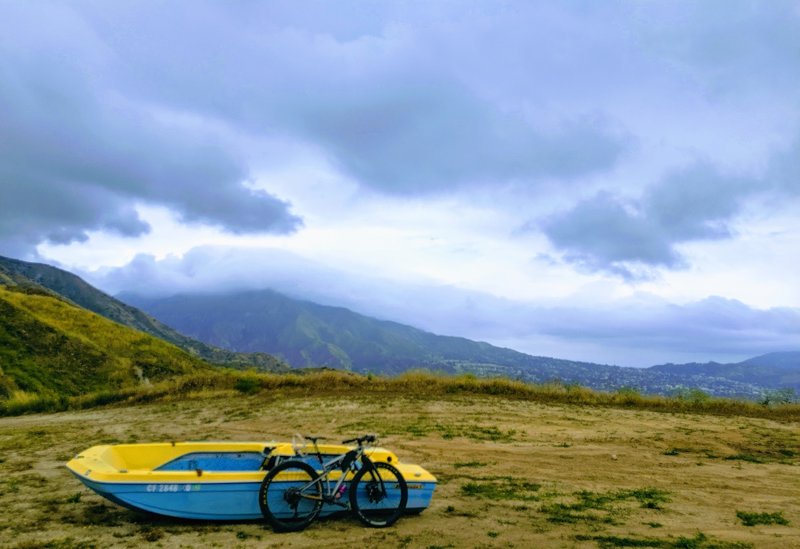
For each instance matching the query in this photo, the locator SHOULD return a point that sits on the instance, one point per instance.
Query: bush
(22, 402)
(7, 386)
(779, 397)
(247, 385)
(629, 396)
(752, 519)
(692, 395)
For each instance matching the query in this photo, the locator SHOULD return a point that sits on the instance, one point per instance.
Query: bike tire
(378, 494)
(293, 502)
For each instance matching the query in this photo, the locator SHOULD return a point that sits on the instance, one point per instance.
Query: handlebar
(361, 440)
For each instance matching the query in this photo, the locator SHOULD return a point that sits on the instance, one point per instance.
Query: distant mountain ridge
(779, 369)
(14, 272)
(786, 360)
(308, 334)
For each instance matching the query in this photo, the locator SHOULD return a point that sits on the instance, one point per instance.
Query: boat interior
(212, 456)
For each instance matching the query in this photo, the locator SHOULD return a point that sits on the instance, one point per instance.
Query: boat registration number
(172, 488)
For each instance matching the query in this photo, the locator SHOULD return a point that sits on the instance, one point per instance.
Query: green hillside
(308, 334)
(14, 272)
(50, 346)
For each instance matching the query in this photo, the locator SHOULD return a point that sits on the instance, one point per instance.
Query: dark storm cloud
(697, 202)
(729, 45)
(708, 326)
(438, 136)
(34, 210)
(609, 233)
(605, 233)
(784, 170)
(76, 154)
(377, 98)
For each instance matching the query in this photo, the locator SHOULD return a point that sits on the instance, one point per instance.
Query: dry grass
(421, 383)
(513, 472)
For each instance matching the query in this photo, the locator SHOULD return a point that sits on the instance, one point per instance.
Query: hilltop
(512, 472)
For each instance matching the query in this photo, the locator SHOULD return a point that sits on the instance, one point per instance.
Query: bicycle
(293, 492)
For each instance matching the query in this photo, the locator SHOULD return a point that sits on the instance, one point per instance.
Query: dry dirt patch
(512, 473)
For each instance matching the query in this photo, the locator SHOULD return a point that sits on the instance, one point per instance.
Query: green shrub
(751, 519)
(247, 385)
(7, 386)
(779, 397)
(692, 395)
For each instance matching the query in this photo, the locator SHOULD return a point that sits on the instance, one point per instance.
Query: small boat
(214, 480)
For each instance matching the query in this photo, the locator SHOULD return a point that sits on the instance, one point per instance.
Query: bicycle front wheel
(290, 496)
(378, 494)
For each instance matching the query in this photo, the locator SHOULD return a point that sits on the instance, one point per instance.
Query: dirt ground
(511, 474)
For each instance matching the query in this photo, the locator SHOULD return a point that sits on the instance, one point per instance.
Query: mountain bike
(293, 492)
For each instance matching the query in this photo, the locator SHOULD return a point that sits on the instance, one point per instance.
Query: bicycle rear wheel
(290, 496)
(378, 494)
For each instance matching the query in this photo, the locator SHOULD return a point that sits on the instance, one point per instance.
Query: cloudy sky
(610, 181)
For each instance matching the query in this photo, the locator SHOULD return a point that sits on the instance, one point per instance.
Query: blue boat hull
(224, 501)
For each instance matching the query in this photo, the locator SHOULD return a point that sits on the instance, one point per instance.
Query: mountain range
(270, 331)
(308, 334)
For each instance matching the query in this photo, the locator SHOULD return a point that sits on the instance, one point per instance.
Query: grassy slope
(15, 272)
(513, 473)
(48, 345)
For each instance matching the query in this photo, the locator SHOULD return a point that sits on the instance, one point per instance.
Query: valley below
(512, 472)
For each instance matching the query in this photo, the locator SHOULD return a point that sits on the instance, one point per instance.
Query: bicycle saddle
(313, 439)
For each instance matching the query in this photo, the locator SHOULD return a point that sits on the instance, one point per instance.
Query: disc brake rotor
(374, 492)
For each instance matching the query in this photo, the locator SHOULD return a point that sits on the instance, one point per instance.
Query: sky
(614, 182)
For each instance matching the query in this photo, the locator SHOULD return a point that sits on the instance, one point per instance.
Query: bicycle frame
(345, 462)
